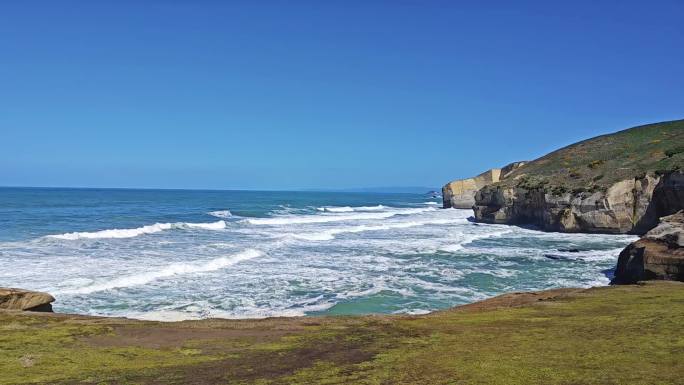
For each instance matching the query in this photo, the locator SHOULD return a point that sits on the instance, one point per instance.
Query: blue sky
(339, 94)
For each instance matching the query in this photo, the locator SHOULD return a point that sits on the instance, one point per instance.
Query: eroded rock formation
(659, 254)
(460, 193)
(628, 206)
(18, 299)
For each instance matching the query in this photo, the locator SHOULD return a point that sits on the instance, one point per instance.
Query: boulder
(18, 299)
(659, 254)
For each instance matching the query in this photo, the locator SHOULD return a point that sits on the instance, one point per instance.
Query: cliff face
(617, 183)
(460, 194)
(627, 206)
(657, 255)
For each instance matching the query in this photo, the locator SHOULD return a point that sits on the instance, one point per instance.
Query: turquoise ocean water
(174, 254)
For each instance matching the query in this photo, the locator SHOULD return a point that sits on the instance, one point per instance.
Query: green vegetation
(674, 151)
(609, 335)
(604, 160)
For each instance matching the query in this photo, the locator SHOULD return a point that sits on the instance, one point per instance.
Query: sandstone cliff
(460, 193)
(628, 206)
(617, 183)
(657, 255)
(18, 299)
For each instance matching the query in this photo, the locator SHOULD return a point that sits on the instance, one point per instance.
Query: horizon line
(310, 190)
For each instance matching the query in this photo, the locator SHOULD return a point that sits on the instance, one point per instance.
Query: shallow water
(169, 255)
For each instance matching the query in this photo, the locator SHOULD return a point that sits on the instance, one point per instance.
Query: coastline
(517, 338)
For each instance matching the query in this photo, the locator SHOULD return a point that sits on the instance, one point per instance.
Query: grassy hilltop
(607, 335)
(599, 162)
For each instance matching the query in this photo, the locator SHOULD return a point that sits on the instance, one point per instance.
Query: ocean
(180, 254)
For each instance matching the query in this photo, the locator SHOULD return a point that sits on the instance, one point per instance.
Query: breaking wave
(130, 233)
(302, 219)
(221, 214)
(169, 271)
(331, 233)
(349, 209)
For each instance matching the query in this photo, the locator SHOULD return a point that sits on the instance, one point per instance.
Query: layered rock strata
(628, 206)
(460, 193)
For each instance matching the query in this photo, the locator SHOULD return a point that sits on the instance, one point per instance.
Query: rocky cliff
(628, 206)
(460, 193)
(657, 255)
(18, 299)
(617, 183)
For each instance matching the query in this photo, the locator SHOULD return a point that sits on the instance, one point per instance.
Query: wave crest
(169, 271)
(221, 214)
(349, 209)
(130, 233)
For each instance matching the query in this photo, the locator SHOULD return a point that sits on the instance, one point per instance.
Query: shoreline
(507, 299)
(515, 338)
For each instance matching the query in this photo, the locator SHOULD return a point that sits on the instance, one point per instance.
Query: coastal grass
(597, 163)
(610, 335)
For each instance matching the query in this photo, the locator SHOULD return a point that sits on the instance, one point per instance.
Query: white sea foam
(466, 239)
(168, 271)
(330, 234)
(348, 209)
(115, 233)
(302, 219)
(431, 203)
(423, 257)
(218, 225)
(130, 233)
(221, 213)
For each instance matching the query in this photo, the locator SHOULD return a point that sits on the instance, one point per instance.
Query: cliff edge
(615, 183)
(659, 254)
(460, 193)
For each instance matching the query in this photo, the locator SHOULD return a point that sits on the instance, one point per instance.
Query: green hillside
(601, 161)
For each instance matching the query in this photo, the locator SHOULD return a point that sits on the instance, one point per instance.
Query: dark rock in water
(551, 256)
(18, 299)
(562, 257)
(657, 255)
(569, 250)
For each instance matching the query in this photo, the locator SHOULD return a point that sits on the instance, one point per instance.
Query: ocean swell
(169, 271)
(302, 219)
(130, 233)
(349, 209)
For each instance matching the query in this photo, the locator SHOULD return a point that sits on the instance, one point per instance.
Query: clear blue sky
(331, 94)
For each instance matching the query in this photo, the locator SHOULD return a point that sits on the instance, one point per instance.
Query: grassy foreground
(608, 335)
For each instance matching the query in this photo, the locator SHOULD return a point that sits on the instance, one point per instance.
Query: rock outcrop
(627, 206)
(18, 299)
(617, 183)
(659, 254)
(460, 193)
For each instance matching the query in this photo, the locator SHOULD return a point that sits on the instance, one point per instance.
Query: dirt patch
(170, 337)
(516, 299)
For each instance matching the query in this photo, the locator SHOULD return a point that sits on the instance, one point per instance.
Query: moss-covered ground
(609, 335)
